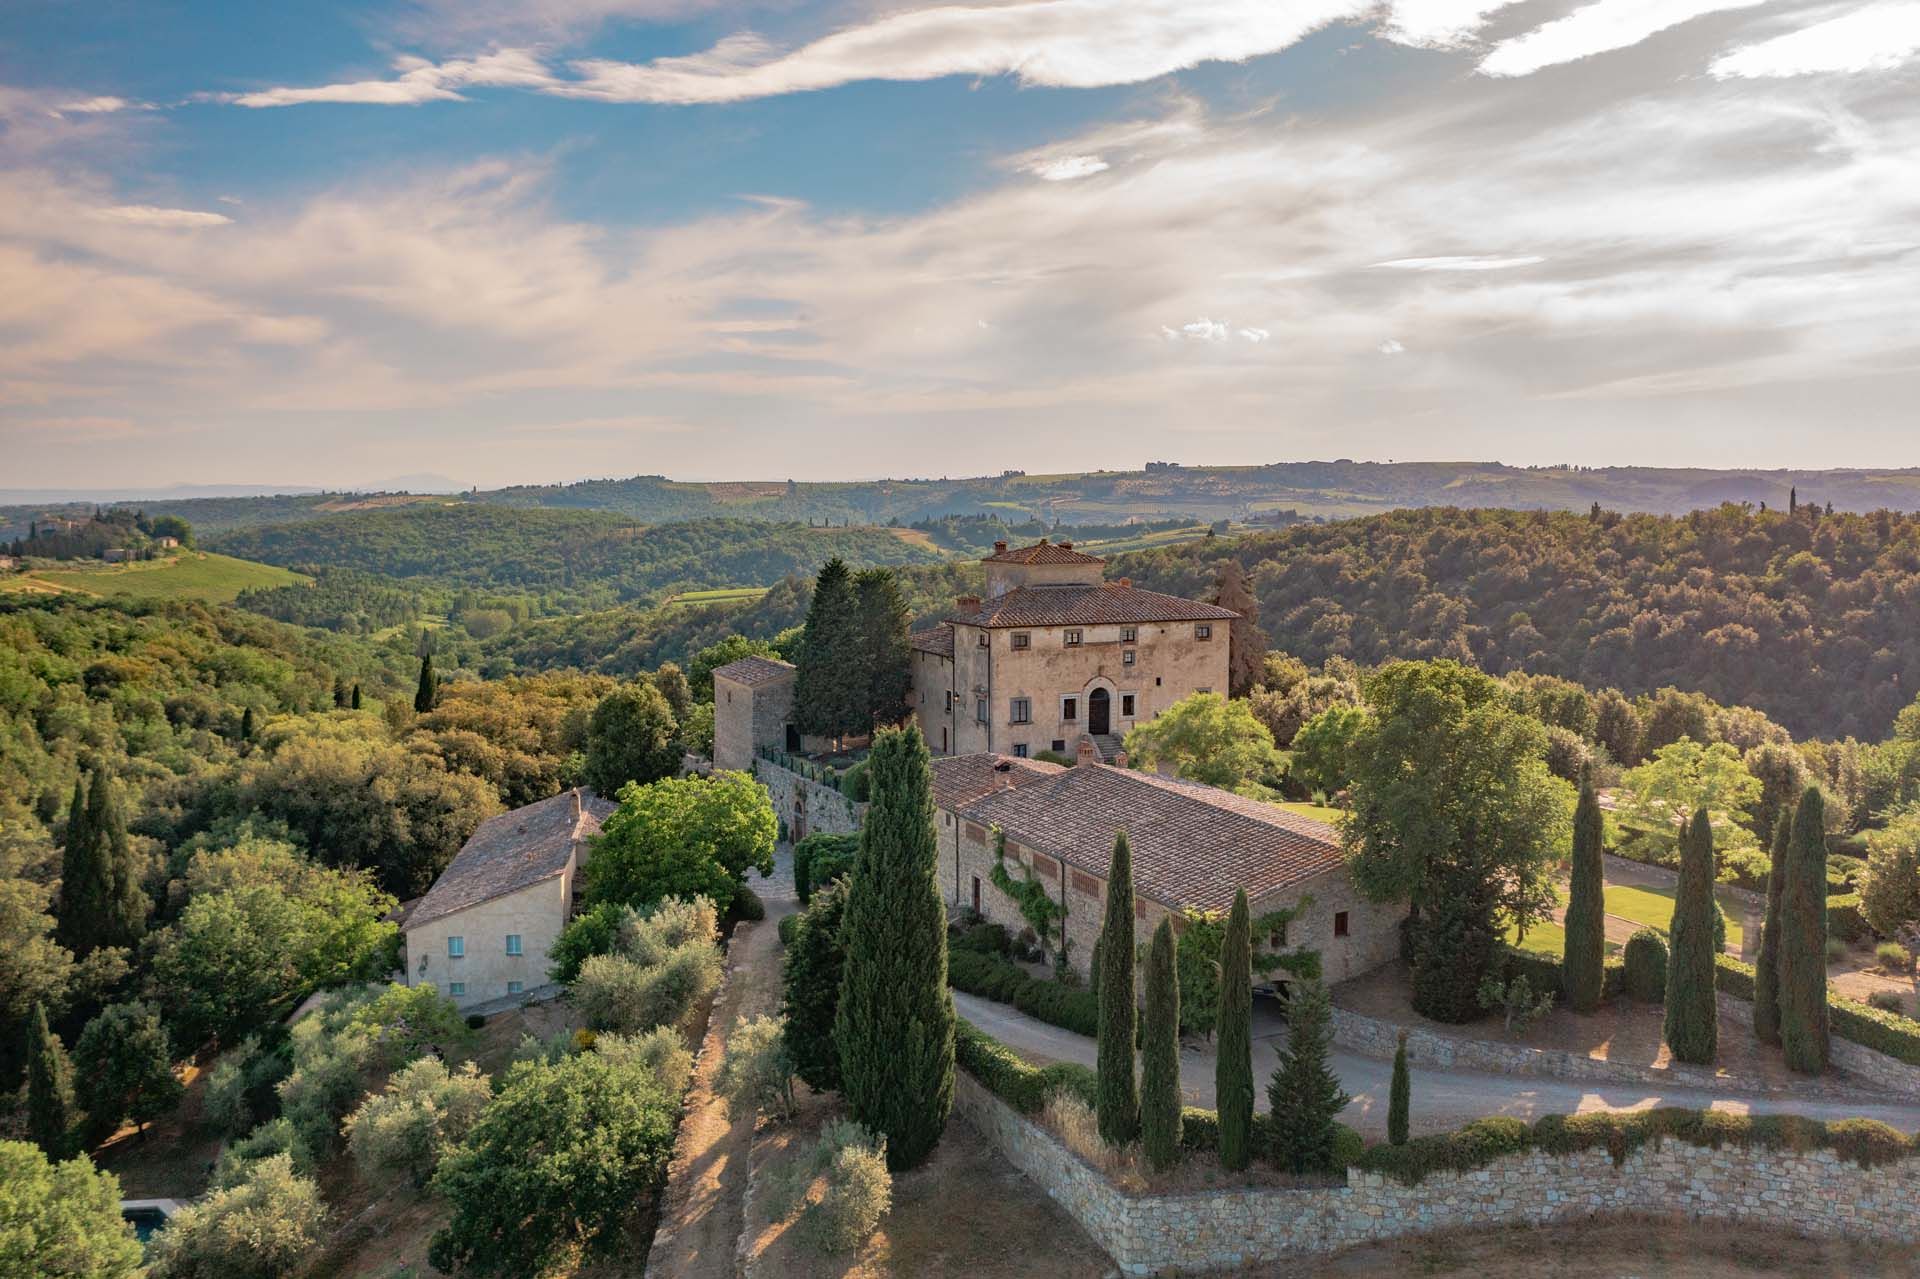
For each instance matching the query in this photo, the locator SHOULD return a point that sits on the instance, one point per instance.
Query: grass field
(722, 595)
(1649, 907)
(191, 575)
(427, 622)
(1319, 812)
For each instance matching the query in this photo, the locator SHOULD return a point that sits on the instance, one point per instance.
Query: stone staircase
(1109, 746)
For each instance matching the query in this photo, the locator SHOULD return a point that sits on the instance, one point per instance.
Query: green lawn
(1319, 812)
(192, 575)
(723, 595)
(1646, 906)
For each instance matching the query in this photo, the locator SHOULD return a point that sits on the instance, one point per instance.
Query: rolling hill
(190, 575)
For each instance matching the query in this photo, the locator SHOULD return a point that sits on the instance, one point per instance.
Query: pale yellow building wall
(537, 913)
(932, 708)
(1002, 578)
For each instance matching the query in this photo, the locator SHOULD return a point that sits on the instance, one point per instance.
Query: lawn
(1318, 812)
(1648, 907)
(721, 595)
(191, 575)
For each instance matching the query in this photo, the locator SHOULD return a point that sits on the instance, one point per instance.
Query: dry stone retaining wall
(1815, 1193)
(827, 810)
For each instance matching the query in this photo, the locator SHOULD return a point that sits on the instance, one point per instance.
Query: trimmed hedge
(1646, 967)
(786, 926)
(988, 975)
(1844, 919)
(1008, 1076)
(1884, 1032)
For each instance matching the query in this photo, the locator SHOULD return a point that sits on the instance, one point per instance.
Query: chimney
(1120, 759)
(1043, 541)
(1088, 753)
(1000, 548)
(1126, 583)
(576, 803)
(1066, 546)
(967, 603)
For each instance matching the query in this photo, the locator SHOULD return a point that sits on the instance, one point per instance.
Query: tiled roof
(938, 641)
(1089, 606)
(511, 852)
(959, 780)
(1193, 845)
(1043, 552)
(755, 671)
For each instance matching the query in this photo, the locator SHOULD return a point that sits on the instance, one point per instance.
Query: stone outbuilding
(752, 710)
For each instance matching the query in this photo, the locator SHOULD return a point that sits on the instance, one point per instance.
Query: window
(1072, 637)
(456, 947)
(1069, 708)
(1059, 745)
(456, 988)
(1203, 690)
(514, 987)
(980, 710)
(984, 641)
(1203, 631)
(1340, 923)
(1126, 706)
(1128, 634)
(1126, 657)
(1020, 710)
(513, 943)
(949, 706)
(1019, 750)
(1020, 639)
(976, 894)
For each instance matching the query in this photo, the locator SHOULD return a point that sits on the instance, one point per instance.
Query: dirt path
(702, 1212)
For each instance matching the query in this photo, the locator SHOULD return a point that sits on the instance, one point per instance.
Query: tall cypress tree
(1233, 1068)
(125, 915)
(1766, 968)
(85, 881)
(50, 1105)
(356, 697)
(1583, 971)
(830, 691)
(1399, 1096)
(1160, 1054)
(1803, 939)
(883, 617)
(894, 1026)
(424, 694)
(1118, 1100)
(1693, 1021)
(1305, 1093)
(246, 724)
(810, 988)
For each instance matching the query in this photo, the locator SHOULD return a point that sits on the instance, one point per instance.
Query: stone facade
(806, 806)
(485, 971)
(750, 715)
(1815, 1193)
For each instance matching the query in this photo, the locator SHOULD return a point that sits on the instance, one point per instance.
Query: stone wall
(807, 806)
(747, 717)
(1815, 1193)
(1854, 1061)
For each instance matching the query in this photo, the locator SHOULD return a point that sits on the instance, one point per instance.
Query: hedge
(1844, 919)
(1008, 1076)
(988, 975)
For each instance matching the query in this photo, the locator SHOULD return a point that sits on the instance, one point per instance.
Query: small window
(1019, 750)
(984, 641)
(515, 988)
(1126, 705)
(1069, 708)
(1340, 923)
(456, 947)
(1020, 710)
(1203, 690)
(976, 894)
(1126, 657)
(1020, 639)
(980, 710)
(1203, 631)
(1156, 681)
(456, 988)
(1059, 745)
(1128, 634)
(949, 701)
(1072, 637)
(513, 943)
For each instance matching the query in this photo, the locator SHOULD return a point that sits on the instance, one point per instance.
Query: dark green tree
(1118, 1098)
(1304, 1093)
(630, 738)
(1766, 967)
(894, 1026)
(1160, 1054)
(1803, 939)
(85, 881)
(1457, 932)
(124, 1069)
(1233, 1068)
(339, 694)
(50, 1103)
(246, 724)
(1399, 1096)
(356, 697)
(882, 618)
(1692, 1024)
(424, 694)
(810, 988)
(1583, 971)
(830, 691)
(101, 900)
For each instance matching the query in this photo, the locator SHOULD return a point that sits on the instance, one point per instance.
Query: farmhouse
(1193, 845)
(1055, 651)
(483, 930)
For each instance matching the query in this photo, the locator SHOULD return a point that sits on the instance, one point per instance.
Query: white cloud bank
(151, 216)
(1439, 24)
(1599, 27)
(1066, 168)
(1878, 37)
(1458, 264)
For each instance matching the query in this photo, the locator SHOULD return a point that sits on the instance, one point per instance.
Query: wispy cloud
(420, 81)
(95, 106)
(1392, 346)
(1876, 37)
(1439, 24)
(152, 216)
(1458, 263)
(1599, 27)
(1066, 168)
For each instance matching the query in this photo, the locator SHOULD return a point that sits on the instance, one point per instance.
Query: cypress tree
(1583, 971)
(356, 697)
(1766, 968)
(1118, 1100)
(85, 882)
(423, 695)
(882, 620)
(50, 1106)
(831, 689)
(1803, 939)
(1304, 1093)
(894, 1026)
(810, 988)
(1399, 1096)
(339, 694)
(246, 724)
(1692, 1024)
(1233, 1068)
(125, 908)
(1160, 1054)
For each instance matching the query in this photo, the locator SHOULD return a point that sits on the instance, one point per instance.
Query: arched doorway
(1098, 703)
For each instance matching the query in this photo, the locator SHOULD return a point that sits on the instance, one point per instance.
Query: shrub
(1646, 967)
(1515, 1001)
(820, 859)
(786, 927)
(987, 939)
(261, 1228)
(225, 1105)
(595, 931)
(1887, 1001)
(476, 1020)
(1011, 1078)
(747, 904)
(859, 1188)
(648, 937)
(1894, 957)
(424, 1111)
(999, 979)
(275, 1137)
(660, 1052)
(1836, 950)
(756, 1074)
(810, 989)
(1845, 919)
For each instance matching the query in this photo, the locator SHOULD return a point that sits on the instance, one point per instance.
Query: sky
(521, 241)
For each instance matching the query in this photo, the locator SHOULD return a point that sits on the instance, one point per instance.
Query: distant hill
(189, 575)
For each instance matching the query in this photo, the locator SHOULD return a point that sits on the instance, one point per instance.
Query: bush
(660, 1052)
(1894, 957)
(619, 994)
(992, 977)
(756, 1074)
(226, 1106)
(261, 1228)
(424, 1111)
(1844, 918)
(1646, 967)
(1887, 1001)
(820, 859)
(859, 1189)
(747, 905)
(1011, 1078)
(595, 931)
(786, 927)
(985, 939)
(1836, 950)
(276, 1137)
(476, 1020)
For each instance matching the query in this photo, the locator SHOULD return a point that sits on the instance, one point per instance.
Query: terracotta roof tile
(1043, 552)
(958, 780)
(938, 640)
(755, 671)
(510, 852)
(1089, 606)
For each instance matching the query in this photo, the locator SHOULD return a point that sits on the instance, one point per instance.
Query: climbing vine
(1029, 894)
(1198, 959)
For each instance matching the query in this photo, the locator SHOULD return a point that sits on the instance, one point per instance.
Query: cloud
(453, 22)
(1457, 264)
(72, 428)
(1213, 331)
(1439, 24)
(420, 81)
(1598, 27)
(1067, 167)
(1256, 335)
(1878, 37)
(1392, 346)
(151, 216)
(95, 106)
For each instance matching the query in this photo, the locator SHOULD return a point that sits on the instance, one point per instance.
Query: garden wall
(1815, 1192)
(800, 800)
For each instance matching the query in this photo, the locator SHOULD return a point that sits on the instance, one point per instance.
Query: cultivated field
(191, 575)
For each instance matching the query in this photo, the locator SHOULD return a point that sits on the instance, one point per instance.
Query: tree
(810, 988)
(246, 724)
(673, 685)
(339, 693)
(882, 617)
(1233, 1066)
(101, 900)
(1246, 642)
(1305, 1094)
(1782, 773)
(683, 837)
(1766, 967)
(557, 1162)
(631, 737)
(1321, 747)
(424, 1111)
(50, 1103)
(62, 1219)
(1456, 811)
(125, 1067)
(1890, 884)
(262, 1228)
(423, 694)
(1159, 1120)
(1208, 739)
(1118, 1098)
(1584, 967)
(1399, 1095)
(895, 1023)
(832, 686)
(1681, 778)
(356, 696)
(1692, 1022)
(1803, 939)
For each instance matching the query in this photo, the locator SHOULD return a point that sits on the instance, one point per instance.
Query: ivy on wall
(1030, 895)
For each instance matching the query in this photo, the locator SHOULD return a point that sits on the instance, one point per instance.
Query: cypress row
(84, 880)
(50, 1104)
(1400, 1096)
(1803, 939)
(1160, 1054)
(1233, 1069)
(1692, 1024)
(1584, 968)
(1766, 968)
(894, 1025)
(1118, 1099)
(423, 695)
